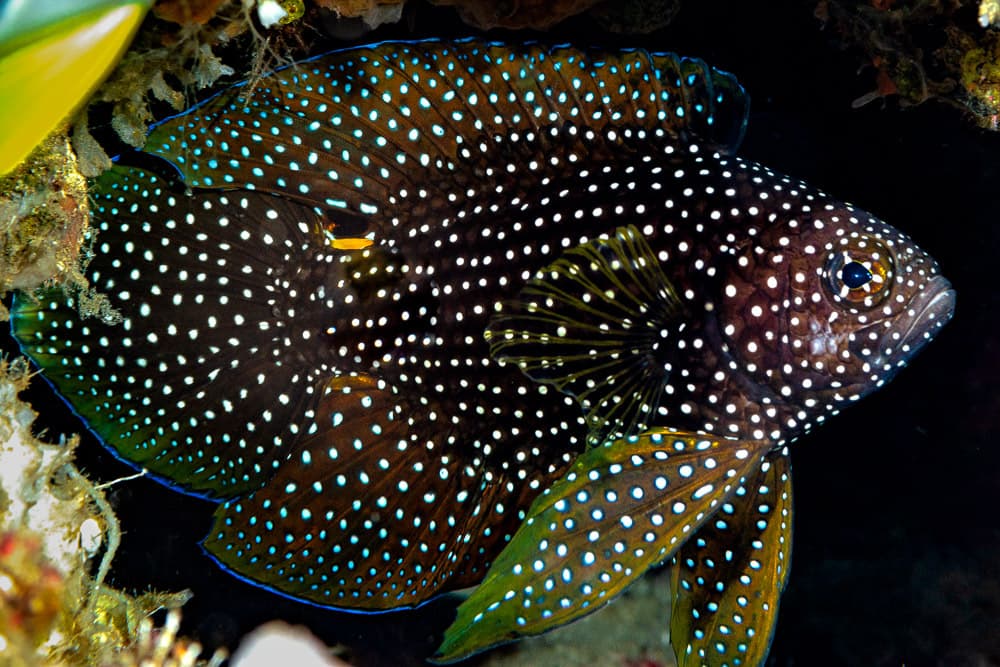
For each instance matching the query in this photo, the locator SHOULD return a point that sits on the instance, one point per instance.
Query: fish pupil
(855, 275)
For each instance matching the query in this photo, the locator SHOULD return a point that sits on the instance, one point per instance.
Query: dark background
(896, 556)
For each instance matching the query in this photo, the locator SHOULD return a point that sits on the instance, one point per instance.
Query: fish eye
(855, 275)
(859, 273)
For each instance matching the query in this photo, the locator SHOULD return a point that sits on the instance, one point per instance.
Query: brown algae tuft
(43, 217)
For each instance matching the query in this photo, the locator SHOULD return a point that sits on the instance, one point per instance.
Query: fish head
(828, 305)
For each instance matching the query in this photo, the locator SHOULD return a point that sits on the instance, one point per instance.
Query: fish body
(428, 315)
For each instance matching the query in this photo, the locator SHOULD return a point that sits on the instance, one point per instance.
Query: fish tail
(203, 380)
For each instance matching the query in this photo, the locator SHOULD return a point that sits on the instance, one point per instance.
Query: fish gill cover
(428, 315)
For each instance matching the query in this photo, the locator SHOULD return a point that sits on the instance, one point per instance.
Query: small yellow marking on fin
(351, 243)
(345, 383)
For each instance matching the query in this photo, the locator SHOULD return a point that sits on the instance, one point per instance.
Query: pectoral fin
(728, 578)
(600, 324)
(621, 508)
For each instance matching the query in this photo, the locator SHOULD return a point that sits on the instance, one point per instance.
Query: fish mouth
(926, 313)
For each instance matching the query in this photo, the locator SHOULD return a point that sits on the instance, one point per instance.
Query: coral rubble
(924, 50)
(54, 524)
(43, 206)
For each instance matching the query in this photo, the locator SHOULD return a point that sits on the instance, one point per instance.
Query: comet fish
(422, 316)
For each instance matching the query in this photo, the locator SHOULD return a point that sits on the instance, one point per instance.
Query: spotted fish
(421, 316)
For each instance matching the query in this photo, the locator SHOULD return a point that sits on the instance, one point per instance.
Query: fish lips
(927, 312)
(918, 323)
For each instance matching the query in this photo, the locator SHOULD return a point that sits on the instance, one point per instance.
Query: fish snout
(928, 311)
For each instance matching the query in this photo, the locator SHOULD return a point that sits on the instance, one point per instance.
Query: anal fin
(371, 511)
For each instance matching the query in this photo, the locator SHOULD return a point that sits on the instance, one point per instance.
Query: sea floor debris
(56, 527)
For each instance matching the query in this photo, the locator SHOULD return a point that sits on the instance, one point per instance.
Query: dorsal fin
(361, 128)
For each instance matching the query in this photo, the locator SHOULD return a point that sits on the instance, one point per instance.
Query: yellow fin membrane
(726, 595)
(622, 508)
